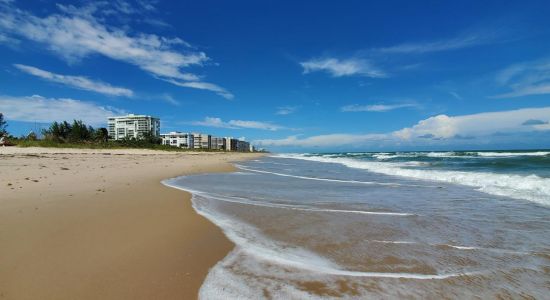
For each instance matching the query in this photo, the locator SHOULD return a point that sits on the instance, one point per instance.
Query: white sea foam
(392, 242)
(242, 173)
(386, 156)
(531, 187)
(333, 180)
(269, 262)
(496, 250)
(461, 155)
(254, 243)
(509, 154)
(240, 200)
(259, 263)
(460, 247)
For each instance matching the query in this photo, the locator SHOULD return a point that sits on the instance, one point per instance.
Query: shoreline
(93, 223)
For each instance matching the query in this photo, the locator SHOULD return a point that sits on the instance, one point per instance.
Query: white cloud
(455, 95)
(375, 107)
(254, 125)
(327, 140)
(212, 122)
(480, 124)
(79, 82)
(39, 109)
(169, 99)
(205, 86)
(525, 79)
(76, 34)
(538, 89)
(286, 110)
(441, 127)
(236, 124)
(344, 67)
(462, 41)
(4, 39)
(375, 62)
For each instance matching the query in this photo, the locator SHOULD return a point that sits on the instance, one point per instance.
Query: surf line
(495, 250)
(244, 201)
(335, 180)
(328, 268)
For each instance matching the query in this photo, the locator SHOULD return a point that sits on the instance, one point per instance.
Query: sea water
(380, 225)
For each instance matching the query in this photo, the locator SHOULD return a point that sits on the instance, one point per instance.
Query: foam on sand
(259, 263)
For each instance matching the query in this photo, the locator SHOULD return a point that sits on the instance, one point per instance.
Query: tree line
(78, 132)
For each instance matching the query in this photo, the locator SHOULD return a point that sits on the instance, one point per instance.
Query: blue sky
(308, 76)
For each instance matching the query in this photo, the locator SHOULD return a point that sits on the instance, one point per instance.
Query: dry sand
(98, 224)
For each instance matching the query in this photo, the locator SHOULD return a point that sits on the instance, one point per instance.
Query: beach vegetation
(79, 135)
(3, 125)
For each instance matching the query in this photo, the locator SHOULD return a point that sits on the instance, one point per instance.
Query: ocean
(380, 225)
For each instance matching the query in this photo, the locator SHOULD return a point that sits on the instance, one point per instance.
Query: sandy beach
(98, 224)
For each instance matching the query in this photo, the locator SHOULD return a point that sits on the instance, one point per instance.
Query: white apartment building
(133, 126)
(178, 139)
(202, 141)
(228, 143)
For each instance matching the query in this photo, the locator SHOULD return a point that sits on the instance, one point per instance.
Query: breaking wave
(531, 187)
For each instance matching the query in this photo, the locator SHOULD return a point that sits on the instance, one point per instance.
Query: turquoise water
(503, 162)
(519, 174)
(380, 225)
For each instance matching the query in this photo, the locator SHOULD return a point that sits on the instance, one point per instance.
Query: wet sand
(98, 224)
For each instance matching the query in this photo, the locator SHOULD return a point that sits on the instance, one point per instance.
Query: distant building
(228, 144)
(236, 145)
(202, 141)
(217, 143)
(178, 139)
(133, 126)
(242, 146)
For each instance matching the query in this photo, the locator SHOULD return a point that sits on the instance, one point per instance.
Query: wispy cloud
(286, 110)
(79, 82)
(255, 125)
(373, 62)
(212, 122)
(459, 42)
(237, 124)
(437, 128)
(169, 99)
(39, 109)
(204, 86)
(455, 95)
(342, 67)
(77, 33)
(375, 107)
(327, 140)
(532, 78)
(4, 39)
